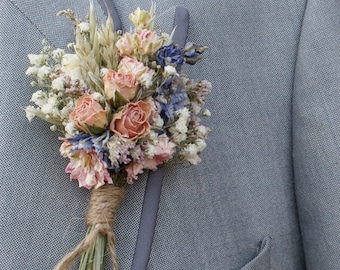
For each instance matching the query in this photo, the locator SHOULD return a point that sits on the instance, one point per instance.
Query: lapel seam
(292, 114)
(30, 21)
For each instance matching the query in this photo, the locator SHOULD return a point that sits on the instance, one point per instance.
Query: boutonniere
(122, 105)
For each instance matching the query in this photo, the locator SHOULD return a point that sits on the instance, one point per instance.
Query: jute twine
(101, 214)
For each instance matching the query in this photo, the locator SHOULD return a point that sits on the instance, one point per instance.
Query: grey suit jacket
(267, 193)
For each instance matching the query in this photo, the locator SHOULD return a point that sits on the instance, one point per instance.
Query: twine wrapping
(101, 214)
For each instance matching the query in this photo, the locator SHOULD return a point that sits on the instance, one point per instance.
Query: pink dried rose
(125, 83)
(132, 122)
(148, 42)
(130, 65)
(89, 113)
(143, 42)
(142, 73)
(126, 45)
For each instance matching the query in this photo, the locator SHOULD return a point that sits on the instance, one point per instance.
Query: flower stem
(86, 260)
(94, 258)
(100, 253)
(85, 255)
(89, 264)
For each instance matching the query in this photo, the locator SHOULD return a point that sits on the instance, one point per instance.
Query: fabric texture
(316, 130)
(262, 260)
(250, 204)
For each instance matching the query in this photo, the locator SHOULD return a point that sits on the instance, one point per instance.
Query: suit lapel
(316, 133)
(108, 7)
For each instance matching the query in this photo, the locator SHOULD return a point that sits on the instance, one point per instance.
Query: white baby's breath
(53, 128)
(184, 114)
(177, 136)
(71, 66)
(33, 83)
(32, 71)
(150, 147)
(169, 71)
(58, 54)
(158, 121)
(150, 150)
(29, 112)
(98, 97)
(70, 129)
(202, 131)
(84, 27)
(58, 84)
(66, 110)
(51, 107)
(195, 107)
(180, 128)
(190, 154)
(39, 98)
(206, 112)
(201, 144)
(43, 72)
(181, 125)
(153, 137)
(146, 80)
(37, 59)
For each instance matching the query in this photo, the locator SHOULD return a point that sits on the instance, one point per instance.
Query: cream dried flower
(142, 19)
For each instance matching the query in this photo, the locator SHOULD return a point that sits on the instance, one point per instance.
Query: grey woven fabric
(316, 130)
(274, 66)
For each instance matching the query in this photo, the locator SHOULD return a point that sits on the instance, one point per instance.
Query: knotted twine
(101, 214)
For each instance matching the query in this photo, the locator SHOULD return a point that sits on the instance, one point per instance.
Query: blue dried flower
(170, 55)
(88, 142)
(193, 52)
(172, 99)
